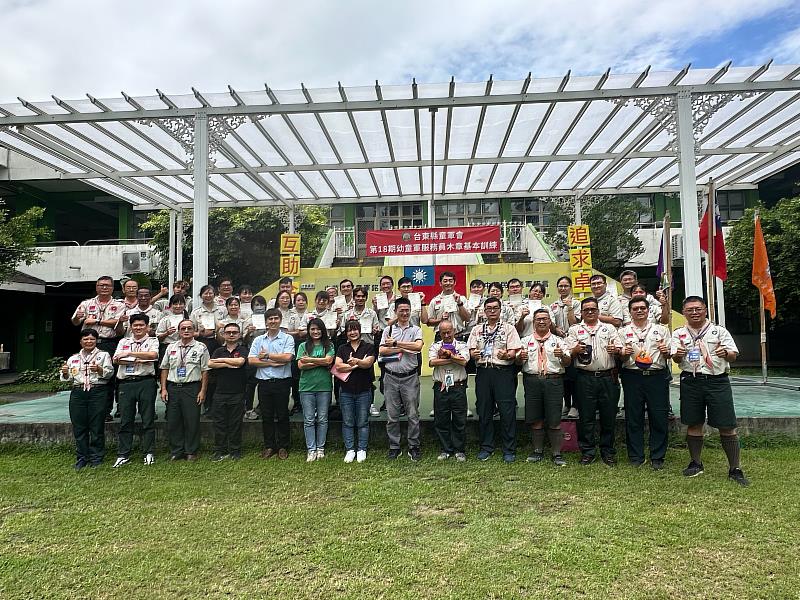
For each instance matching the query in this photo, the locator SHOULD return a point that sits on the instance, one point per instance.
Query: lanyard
(184, 352)
(699, 337)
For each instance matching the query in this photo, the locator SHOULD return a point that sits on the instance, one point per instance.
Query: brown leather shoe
(191, 457)
(268, 453)
(283, 454)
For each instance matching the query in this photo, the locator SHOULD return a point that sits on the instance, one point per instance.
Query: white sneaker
(469, 413)
(251, 415)
(311, 456)
(121, 460)
(361, 455)
(373, 411)
(443, 456)
(350, 456)
(149, 458)
(573, 413)
(320, 453)
(461, 457)
(432, 412)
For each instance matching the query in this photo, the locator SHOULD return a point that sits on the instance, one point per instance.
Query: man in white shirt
(448, 358)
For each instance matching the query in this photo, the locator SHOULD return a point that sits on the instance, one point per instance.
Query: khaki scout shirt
(553, 364)
(152, 313)
(169, 319)
(201, 312)
(113, 309)
(610, 306)
(138, 369)
(559, 310)
(458, 372)
(598, 337)
(437, 309)
(78, 365)
(491, 341)
(194, 357)
(710, 336)
(368, 319)
(646, 340)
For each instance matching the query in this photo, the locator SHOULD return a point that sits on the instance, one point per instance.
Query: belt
(493, 366)
(94, 385)
(545, 376)
(606, 373)
(643, 372)
(462, 383)
(401, 375)
(133, 379)
(184, 384)
(688, 374)
(275, 379)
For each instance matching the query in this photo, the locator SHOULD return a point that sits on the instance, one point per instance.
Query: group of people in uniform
(574, 356)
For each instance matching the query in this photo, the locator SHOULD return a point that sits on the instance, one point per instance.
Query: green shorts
(543, 400)
(712, 396)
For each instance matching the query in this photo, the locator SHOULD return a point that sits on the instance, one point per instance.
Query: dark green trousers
(87, 411)
(183, 418)
(139, 394)
(596, 394)
(648, 392)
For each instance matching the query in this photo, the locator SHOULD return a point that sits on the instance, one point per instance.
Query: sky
(69, 48)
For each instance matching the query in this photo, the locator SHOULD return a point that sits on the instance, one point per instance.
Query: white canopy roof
(536, 137)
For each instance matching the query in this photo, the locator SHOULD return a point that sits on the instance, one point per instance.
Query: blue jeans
(315, 418)
(355, 414)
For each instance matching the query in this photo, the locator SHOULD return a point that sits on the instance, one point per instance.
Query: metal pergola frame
(569, 136)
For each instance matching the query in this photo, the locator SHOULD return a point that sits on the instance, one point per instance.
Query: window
(460, 213)
(336, 216)
(646, 214)
(731, 205)
(533, 211)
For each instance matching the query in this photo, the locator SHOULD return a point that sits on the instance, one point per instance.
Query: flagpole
(710, 279)
(667, 241)
(763, 322)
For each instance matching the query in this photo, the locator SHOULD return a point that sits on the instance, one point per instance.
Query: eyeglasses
(231, 332)
(589, 309)
(638, 308)
(694, 310)
(186, 329)
(491, 308)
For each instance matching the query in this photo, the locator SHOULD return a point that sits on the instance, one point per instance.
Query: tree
(242, 242)
(782, 237)
(612, 226)
(18, 236)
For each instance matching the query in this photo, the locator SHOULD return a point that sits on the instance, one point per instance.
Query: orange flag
(762, 278)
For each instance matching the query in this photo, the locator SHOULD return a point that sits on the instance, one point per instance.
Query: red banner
(437, 240)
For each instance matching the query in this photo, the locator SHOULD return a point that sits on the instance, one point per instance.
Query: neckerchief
(542, 355)
(87, 384)
(697, 340)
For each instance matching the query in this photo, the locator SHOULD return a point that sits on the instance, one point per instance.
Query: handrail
(57, 243)
(117, 240)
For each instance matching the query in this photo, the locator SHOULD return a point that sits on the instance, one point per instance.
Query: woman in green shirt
(314, 359)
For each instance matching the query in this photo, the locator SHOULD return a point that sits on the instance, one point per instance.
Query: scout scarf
(541, 358)
(87, 361)
(697, 341)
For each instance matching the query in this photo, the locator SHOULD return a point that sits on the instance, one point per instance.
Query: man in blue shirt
(272, 354)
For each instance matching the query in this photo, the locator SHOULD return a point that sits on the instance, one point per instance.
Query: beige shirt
(202, 313)
(458, 372)
(194, 357)
(559, 310)
(491, 340)
(79, 372)
(169, 319)
(437, 309)
(610, 306)
(598, 337)
(645, 340)
(113, 309)
(137, 369)
(553, 365)
(654, 310)
(368, 319)
(527, 323)
(705, 341)
(152, 313)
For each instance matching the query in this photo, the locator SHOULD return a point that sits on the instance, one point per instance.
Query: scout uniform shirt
(389, 314)
(297, 321)
(163, 304)
(700, 347)
(202, 313)
(368, 319)
(227, 320)
(169, 319)
(527, 323)
(438, 308)
(645, 340)
(185, 363)
(102, 311)
(326, 315)
(609, 306)
(653, 310)
(452, 373)
(220, 302)
(490, 341)
(139, 369)
(559, 311)
(79, 374)
(541, 355)
(598, 337)
(152, 313)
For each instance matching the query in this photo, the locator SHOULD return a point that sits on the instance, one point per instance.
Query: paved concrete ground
(751, 400)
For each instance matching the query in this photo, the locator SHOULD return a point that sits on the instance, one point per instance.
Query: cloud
(68, 48)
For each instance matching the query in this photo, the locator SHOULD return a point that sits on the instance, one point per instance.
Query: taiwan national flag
(426, 278)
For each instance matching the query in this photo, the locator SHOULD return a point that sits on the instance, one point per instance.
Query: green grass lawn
(290, 530)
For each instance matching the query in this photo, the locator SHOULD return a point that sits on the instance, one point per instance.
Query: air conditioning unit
(677, 246)
(136, 262)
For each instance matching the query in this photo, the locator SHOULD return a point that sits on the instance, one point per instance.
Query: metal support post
(171, 258)
(431, 216)
(692, 273)
(200, 214)
(178, 247)
(291, 219)
(578, 215)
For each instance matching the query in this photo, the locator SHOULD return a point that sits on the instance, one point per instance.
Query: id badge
(181, 372)
(449, 380)
(129, 369)
(694, 355)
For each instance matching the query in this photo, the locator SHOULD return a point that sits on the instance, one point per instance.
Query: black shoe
(535, 457)
(737, 476)
(177, 457)
(559, 461)
(415, 454)
(637, 463)
(587, 459)
(109, 418)
(609, 459)
(218, 457)
(693, 470)
(96, 463)
(657, 464)
(393, 453)
(236, 455)
(82, 462)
